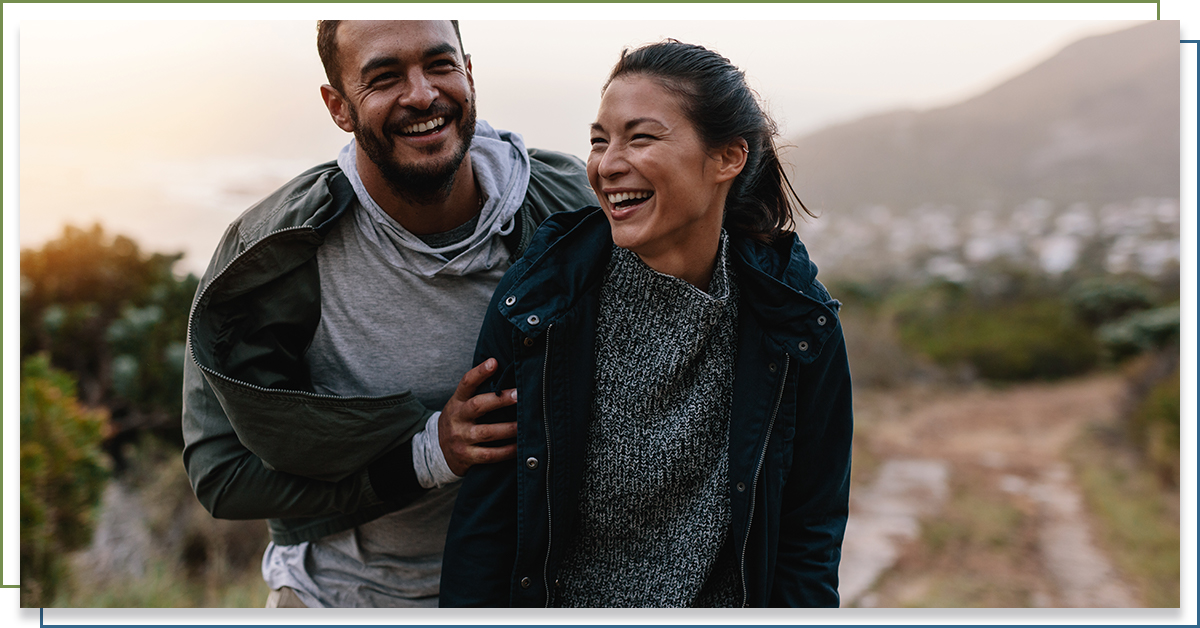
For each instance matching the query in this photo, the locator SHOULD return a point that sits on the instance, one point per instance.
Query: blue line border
(1198, 178)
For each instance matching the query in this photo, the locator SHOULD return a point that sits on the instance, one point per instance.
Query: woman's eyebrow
(596, 126)
(636, 121)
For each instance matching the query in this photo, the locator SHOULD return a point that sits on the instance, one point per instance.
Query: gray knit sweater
(654, 506)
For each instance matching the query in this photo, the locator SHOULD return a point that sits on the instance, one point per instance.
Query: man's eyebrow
(378, 62)
(441, 49)
(432, 51)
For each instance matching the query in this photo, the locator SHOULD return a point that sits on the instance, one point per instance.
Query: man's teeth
(422, 127)
(628, 196)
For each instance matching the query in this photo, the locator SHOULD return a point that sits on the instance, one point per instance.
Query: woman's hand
(459, 433)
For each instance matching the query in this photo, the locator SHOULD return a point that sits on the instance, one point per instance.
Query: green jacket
(258, 442)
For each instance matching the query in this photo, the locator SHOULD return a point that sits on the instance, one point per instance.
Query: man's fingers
(486, 455)
(488, 432)
(473, 378)
(480, 405)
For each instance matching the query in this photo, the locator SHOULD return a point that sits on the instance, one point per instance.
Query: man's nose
(420, 92)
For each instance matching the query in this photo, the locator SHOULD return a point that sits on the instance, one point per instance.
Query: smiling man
(341, 311)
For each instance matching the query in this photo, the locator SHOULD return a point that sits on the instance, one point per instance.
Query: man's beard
(418, 184)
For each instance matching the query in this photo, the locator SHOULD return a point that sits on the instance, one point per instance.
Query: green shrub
(1031, 338)
(1103, 299)
(63, 472)
(1140, 332)
(113, 316)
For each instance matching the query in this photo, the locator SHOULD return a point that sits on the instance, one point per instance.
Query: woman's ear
(731, 159)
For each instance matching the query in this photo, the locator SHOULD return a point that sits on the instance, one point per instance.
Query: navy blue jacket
(789, 434)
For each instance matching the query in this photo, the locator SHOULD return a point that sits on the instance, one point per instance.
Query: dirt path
(1010, 439)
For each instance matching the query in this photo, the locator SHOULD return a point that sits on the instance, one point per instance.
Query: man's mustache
(444, 110)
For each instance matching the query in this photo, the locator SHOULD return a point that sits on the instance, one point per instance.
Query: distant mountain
(1097, 123)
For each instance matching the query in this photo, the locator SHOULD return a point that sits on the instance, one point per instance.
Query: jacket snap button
(820, 320)
(529, 342)
(533, 319)
(531, 462)
(741, 487)
(771, 367)
(526, 582)
(510, 300)
(803, 345)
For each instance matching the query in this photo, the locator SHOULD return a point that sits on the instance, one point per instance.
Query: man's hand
(458, 433)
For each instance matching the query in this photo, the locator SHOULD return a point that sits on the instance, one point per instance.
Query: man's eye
(643, 136)
(386, 76)
(598, 141)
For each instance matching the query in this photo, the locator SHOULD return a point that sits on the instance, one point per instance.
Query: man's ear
(731, 159)
(470, 72)
(338, 108)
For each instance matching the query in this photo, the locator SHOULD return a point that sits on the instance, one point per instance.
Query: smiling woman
(684, 408)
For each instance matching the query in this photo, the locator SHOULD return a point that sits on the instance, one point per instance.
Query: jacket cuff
(392, 477)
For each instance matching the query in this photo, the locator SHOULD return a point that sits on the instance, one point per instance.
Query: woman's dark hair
(716, 100)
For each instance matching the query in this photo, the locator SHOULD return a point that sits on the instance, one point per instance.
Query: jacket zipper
(758, 470)
(192, 346)
(546, 427)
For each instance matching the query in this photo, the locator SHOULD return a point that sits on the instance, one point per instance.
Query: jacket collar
(568, 256)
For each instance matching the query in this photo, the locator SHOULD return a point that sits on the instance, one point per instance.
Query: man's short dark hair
(327, 49)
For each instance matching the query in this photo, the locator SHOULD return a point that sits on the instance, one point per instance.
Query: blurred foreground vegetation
(103, 327)
(115, 317)
(62, 474)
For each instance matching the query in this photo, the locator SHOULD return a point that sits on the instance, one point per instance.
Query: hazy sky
(166, 130)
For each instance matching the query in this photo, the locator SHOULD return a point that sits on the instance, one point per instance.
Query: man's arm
(233, 483)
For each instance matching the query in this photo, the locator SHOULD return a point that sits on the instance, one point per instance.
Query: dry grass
(979, 552)
(1137, 514)
(158, 548)
(982, 549)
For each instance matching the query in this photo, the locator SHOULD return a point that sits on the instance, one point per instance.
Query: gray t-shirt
(370, 342)
(400, 313)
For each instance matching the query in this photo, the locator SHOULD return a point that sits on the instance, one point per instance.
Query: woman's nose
(612, 163)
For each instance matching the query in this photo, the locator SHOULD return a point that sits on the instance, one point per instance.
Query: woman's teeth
(628, 198)
(422, 127)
